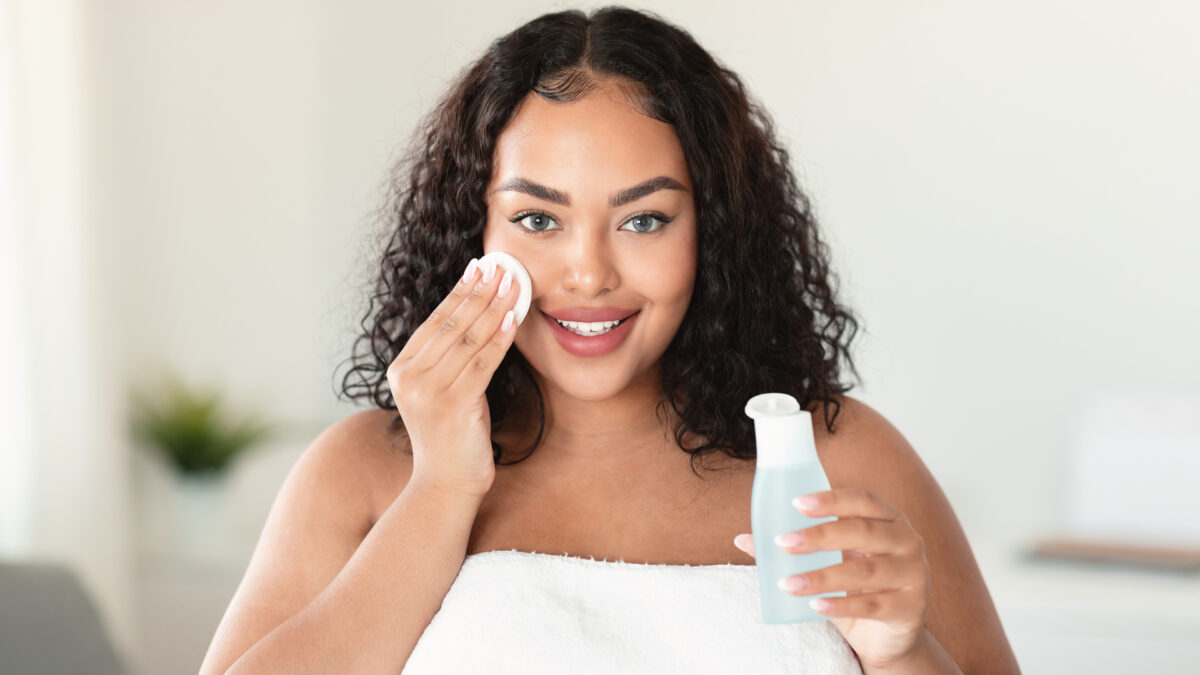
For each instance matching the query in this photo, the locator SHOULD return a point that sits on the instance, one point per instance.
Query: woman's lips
(597, 345)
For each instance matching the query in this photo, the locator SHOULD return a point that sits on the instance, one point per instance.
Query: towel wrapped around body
(522, 612)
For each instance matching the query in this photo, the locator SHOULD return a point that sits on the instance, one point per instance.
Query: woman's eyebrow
(521, 184)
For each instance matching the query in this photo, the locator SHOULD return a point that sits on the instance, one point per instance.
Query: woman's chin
(585, 384)
(598, 389)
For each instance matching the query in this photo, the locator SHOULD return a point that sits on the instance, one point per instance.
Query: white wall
(1011, 186)
(67, 498)
(16, 461)
(1008, 188)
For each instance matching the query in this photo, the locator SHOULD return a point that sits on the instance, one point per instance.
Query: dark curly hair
(763, 316)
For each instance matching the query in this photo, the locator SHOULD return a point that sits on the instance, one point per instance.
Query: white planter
(200, 524)
(184, 518)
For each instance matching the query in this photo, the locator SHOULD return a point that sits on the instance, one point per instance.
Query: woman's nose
(589, 268)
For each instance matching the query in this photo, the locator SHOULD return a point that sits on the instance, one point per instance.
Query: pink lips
(591, 346)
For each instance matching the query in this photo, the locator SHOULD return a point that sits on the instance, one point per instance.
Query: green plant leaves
(189, 427)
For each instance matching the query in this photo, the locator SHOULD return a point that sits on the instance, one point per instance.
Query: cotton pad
(514, 267)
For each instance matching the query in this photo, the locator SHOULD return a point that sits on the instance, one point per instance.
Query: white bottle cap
(783, 432)
(514, 267)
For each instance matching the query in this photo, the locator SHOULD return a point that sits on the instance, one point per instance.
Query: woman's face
(559, 201)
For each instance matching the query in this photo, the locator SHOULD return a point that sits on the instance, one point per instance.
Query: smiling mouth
(616, 323)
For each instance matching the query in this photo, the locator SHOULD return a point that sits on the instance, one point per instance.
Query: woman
(639, 185)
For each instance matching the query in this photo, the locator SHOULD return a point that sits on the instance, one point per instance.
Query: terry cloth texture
(522, 612)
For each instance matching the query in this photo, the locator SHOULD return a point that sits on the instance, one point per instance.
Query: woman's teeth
(590, 329)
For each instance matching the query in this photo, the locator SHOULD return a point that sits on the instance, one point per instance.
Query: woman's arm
(318, 596)
(868, 452)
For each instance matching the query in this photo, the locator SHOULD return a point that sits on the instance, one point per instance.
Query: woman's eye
(647, 220)
(538, 221)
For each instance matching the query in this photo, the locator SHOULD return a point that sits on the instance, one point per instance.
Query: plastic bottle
(786, 467)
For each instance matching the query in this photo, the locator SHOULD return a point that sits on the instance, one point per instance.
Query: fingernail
(789, 539)
(819, 604)
(793, 583)
(740, 541)
(488, 270)
(467, 275)
(508, 321)
(505, 284)
(805, 503)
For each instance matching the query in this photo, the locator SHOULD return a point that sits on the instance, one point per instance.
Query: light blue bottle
(786, 467)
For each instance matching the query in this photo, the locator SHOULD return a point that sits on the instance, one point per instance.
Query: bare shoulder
(321, 514)
(362, 463)
(868, 452)
(380, 453)
(862, 438)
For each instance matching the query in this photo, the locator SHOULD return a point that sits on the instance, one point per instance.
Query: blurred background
(1008, 189)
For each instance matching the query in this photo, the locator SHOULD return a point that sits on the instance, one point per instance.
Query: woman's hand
(439, 380)
(884, 573)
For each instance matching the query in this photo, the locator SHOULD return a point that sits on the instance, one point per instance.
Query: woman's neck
(623, 430)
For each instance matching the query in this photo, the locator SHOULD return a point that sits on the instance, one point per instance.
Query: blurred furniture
(1072, 617)
(49, 624)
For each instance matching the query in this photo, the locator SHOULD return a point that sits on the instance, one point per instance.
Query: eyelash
(645, 214)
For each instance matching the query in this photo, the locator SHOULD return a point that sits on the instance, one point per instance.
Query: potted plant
(189, 429)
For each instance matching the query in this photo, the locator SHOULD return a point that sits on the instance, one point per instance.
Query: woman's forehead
(600, 138)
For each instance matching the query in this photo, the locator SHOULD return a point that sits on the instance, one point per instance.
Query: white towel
(521, 612)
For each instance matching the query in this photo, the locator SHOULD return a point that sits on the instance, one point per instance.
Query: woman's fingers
(864, 522)
(866, 535)
(457, 332)
(885, 588)
(745, 543)
(866, 574)
(889, 606)
(475, 367)
(433, 323)
(842, 502)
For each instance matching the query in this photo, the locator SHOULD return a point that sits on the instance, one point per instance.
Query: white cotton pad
(514, 267)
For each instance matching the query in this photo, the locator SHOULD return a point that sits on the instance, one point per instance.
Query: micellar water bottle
(786, 467)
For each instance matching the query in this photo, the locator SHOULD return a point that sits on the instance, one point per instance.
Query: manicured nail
(740, 542)
(789, 539)
(488, 270)
(793, 583)
(508, 321)
(805, 503)
(820, 604)
(505, 284)
(470, 273)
